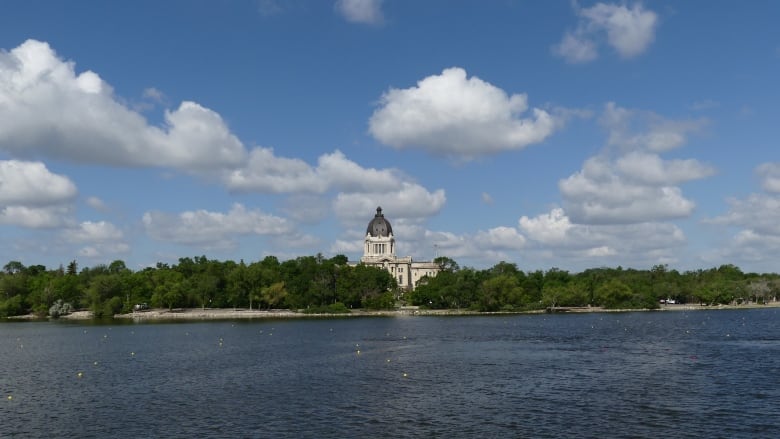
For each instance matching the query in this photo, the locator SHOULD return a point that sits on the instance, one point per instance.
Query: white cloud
(555, 237)
(770, 177)
(629, 182)
(600, 194)
(46, 108)
(551, 228)
(100, 239)
(31, 196)
(32, 184)
(91, 232)
(484, 247)
(757, 213)
(576, 49)
(635, 129)
(755, 220)
(409, 201)
(456, 116)
(629, 31)
(347, 247)
(504, 238)
(361, 11)
(213, 229)
(36, 217)
(650, 169)
(266, 172)
(97, 204)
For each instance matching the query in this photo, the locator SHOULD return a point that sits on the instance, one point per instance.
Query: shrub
(60, 308)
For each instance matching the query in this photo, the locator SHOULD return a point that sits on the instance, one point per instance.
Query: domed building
(379, 251)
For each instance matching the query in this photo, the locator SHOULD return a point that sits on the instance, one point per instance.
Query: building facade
(379, 251)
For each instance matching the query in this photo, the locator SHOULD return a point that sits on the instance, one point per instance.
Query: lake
(642, 374)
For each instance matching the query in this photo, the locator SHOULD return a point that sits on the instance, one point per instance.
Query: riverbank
(161, 314)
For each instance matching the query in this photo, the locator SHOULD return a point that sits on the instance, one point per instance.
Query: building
(379, 251)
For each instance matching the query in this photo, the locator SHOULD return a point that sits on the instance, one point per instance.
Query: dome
(379, 226)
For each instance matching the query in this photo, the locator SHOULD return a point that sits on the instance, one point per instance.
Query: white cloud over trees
(753, 230)
(213, 229)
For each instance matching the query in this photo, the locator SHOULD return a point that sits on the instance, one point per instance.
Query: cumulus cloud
(212, 229)
(266, 172)
(650, 169)
(576, 49)
(361, 11)
(601, 194)
(628, 30)
(408, 202)
(485, 246)
(36, 217)
(456, 116)
(770, 177)
(504, 238)
(31, 196)
(635, 129)
(755, 219)
(47, 109)
(32, 184)
(99, 239)
(757, 235)
(97, 204)
(757, 213)
(555, 235)
(629, 182)
(551, 229)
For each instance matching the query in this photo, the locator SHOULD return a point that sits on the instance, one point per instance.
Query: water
(661, 374)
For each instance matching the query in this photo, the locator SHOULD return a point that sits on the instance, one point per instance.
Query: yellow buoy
(405, 375)
(80, 374)
(10, 397)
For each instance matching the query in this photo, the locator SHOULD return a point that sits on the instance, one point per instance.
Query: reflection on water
(664, 374)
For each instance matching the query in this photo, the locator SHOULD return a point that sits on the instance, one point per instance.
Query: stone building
(379, 251)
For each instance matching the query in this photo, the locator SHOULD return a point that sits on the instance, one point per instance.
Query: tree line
(319, 284)
(506, 287)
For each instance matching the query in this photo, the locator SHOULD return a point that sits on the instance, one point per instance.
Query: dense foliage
(318, 284)
(505, 287)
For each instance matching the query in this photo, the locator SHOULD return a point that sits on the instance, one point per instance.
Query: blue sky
(550, 134)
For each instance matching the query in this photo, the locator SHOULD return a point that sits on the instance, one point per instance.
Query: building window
(400, 279)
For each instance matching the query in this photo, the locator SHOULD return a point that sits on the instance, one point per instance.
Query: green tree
(274, 294)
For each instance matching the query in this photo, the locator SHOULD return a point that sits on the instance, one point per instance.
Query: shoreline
(196, 314)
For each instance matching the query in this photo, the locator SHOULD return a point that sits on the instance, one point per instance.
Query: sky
(566, 134)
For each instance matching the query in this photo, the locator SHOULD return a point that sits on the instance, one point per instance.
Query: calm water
(665, 374)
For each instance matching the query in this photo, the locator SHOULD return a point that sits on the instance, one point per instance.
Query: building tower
(379, 244)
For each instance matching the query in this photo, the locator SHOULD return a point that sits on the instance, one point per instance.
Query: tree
(446, 264)
(502, 291)
(613, 294)
(274, 294)
(13, 267)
